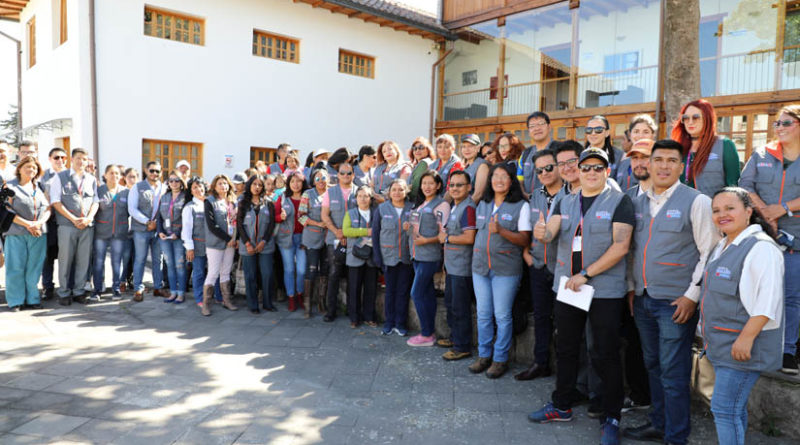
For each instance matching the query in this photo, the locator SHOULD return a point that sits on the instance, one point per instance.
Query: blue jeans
(424, 295)
(175, 256)
(142, 241)
(252, 265)
(118, 258)
(395, 300)
(24, 259)
(494, 295)
(667, 349)
(198, 277)
(294, 260)
(458, 293)
(729, 403)
(791, 298)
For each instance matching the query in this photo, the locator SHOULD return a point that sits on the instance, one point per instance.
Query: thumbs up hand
(493, 226)
(540, 228)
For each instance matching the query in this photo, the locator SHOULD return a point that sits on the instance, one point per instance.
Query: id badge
(230, 230)
(166, 224)
(576, 244)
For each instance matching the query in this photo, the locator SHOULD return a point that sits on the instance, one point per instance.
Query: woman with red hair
(711, 161)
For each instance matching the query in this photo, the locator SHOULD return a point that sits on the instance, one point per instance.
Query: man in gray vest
(143, 207)
(674, 235)
(73, 193)
(335, 203)
(639, 156)
(540, 132)
(58, 160)
(594, 229)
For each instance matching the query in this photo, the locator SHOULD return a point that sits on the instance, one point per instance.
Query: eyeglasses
(784, 124)
(595, 130)
(419, 147)
(174, 180)
(691, 118)
(346, 173)
(596, 167)
(537, 125)
(569, 162)
(547, 168)
(459, 185)
(57, 158)
(155, 172)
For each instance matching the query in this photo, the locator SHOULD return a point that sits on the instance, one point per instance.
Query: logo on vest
(427, 210)
(638, 215)
(673, 213)
(764, 164)
(68, 186)
(602, 214)
(713, 156)
(506, 217)
(723, 272)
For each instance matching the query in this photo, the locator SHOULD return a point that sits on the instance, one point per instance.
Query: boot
(292, 305)
(208, 298)
(299, 300)
(227, 296)
(322, 294)
(308, 286)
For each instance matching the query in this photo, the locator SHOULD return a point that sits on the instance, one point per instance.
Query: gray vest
(625, 177)
(472, 171)
(712, 178)
(543, 254)
(458, 257)
(222, 220)
(428, 227)
(393, 239)
(175, 219)
(619, 155)
(338, 207)
(333, 175)
(254, 225)
(27, 206)
(198, 228)
(145, 204)
(492, 251)
(596, 239)
(664, 250)
(357, 222)
(275, 169)
(360, 177)
(313, 236)
(77, 197)
(531, 180)
(286, 227)
(383, 177)
(764, 175)
(111, 219)
(444, 170)
(723, 316)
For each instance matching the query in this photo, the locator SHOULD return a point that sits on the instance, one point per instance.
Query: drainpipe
(93, 82)
(433, 89)
(19, 82)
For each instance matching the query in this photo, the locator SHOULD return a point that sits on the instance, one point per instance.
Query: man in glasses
(540, 132)
(73, 194)
(58, 162)
(27, 148)
(593, 230)
(143, 208)
(335, 203)
(542, 263)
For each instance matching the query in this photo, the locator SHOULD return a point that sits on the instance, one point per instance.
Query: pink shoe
(421, 340)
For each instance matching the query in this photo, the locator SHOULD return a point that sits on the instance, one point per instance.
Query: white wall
(229, 100)
(8, 59)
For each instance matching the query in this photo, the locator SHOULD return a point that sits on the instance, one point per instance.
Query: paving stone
(50, 425)
(35, 381)
(12, 418)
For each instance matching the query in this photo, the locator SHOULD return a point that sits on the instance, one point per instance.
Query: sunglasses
(569, 162)
(174, 180)
(595, 130)
(346, 173)
(155, 172)
(459, 185)
(691, 118)
(547, 168)
(784, 124)
(596, 167)
(59, 158)
(419, 147)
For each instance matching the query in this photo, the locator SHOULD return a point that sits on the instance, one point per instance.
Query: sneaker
(610, 432)
(421, 340)
(116, 296)
(789, 365)
(595, 410)
(453, 355)
(630, 405)
(550, 414)
(95, 298)
(387, 331)
(400, 331)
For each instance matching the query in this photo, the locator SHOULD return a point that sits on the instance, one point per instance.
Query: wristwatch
(788, 212)
(447, 239)
(585, 274)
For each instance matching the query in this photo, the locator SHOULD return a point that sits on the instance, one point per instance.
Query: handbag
(362, 251)
(703, 375)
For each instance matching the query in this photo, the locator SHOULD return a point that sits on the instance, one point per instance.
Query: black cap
(595, 153)
(472, 139)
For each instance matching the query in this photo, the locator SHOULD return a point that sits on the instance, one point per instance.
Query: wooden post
(501, 69)
(572, 102)
(779, 37)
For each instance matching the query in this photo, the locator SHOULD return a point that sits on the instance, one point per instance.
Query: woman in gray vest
(255, 222)
(392, 255)
(447, 160)
(289, 239)
(712, 161)
(422, 156)
(504, 230)
(741, 309)
(193, 234)
(598, 135)
(367, 158)
(310, 211)
(475, 166)
(168, 225)
(25, 247)
(362, 275)
(391, 166)
(426, 251)
(111, 230)
(220, 215)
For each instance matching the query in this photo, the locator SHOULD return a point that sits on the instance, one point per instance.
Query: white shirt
(364, 214)
(761, 283)
(188, 223)
(133, 201)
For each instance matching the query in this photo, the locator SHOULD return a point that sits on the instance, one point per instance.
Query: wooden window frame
(271, 46)
(30, 29)
(172, 157)
(351, 68)
(269, 152)
(172, 15)
(62, 31)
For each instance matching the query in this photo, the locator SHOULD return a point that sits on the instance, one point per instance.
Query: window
(615, 63)
(268, 155)
(173, 26)
(62, 29)
(276, 47)
(168, 153)
(356, 64)
(31, 32)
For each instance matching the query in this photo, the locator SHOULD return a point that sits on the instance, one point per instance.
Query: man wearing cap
(143, 208)
(279, 166)
(674, 235)
(639, 156)
(476, 167)
(184, 170)
(539, 130)
(238, 183)
(594, 230)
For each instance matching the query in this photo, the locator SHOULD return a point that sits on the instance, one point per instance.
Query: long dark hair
(514, 192)
(192, 181)
(439, 183)
(288, 192)
(744, 197)
(247, 197)
(607, 146)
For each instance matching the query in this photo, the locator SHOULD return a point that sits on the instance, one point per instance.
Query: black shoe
(65, 301)
(49, 293)
(535, 371)
(328, 318)
(271, 309)
(595, 410)
(646, 432)
(34, 306)
(789, 365)
(15, 309)
(81, 299)
(255, 311)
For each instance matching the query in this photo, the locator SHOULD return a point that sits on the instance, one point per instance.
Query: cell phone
(439, 216)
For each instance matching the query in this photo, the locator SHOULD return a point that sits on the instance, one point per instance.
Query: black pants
(543, 298)
(336, 271)
(362, 285)
(317, 262)
(458, 297)
(636, 375)
(604, 316)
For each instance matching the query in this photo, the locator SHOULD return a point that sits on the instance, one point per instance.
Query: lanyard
(229, 214)
(171, 205)
(689, 159)
(80, 194)
(257, 209)
(35, 210)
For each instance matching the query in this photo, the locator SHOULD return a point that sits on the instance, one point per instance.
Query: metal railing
(620, 87)
(790, 72)
(545, 95)
(748, 72)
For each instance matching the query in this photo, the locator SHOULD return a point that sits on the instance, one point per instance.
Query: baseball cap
(472, 139)
(239, 178)
(643, 146)
(593, 153)
(183, 162)
(322, 151)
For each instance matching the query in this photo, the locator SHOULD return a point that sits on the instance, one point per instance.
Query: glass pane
(561, 133)
(759, 140)
(197, 39)
(197, 27)
(739, 123)
(148, 29)
(760, 122)
(159, 19)
(145, 148)
(166, 150)
(194, 151)
(158, 149)
(739, 140)
(618, 62)
(724, 124)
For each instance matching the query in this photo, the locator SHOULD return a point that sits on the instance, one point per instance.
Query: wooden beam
(484, 15)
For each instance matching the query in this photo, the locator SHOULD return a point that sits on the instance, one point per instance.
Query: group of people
(664, 235)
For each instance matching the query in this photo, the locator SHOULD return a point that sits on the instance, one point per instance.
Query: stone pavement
(155, 373)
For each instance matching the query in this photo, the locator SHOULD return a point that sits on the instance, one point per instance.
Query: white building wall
(229, 100)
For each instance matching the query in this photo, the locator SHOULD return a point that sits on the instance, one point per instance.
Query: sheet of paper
(581, 299)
